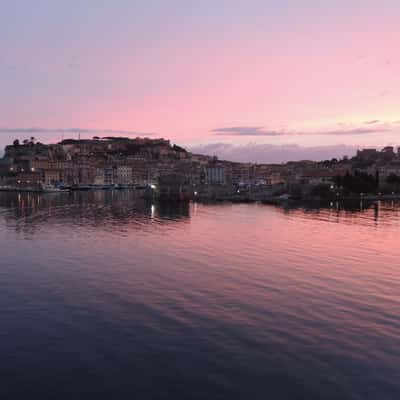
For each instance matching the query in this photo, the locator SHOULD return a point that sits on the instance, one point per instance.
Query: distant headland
(160, 169)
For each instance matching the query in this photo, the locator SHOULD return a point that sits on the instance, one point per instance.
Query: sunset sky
(216, 74)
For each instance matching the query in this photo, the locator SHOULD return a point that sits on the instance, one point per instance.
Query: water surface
(105, 296)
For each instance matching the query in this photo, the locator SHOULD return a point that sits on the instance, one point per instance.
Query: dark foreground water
(105, 297)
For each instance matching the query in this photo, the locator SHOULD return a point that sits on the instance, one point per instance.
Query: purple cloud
(353, 131)
(271, 153)
(247, 131)
(374, 126)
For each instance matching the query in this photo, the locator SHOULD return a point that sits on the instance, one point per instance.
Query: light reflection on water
(105, 295)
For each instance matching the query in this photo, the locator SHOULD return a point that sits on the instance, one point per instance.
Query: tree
(377, 179)
(25, 142)
(360, 182)
(322, 191)
(393, 179)
(16, 143)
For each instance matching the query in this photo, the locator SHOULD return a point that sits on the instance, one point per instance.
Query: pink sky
(310, 74)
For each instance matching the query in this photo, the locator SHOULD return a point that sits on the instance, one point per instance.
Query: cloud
(247, 131)
(75, 131)
(369, 127)
(271, 153)
(352, 131)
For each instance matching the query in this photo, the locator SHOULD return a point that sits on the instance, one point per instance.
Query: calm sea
(105, 297)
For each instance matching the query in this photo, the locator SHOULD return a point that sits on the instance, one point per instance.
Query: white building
(215, 175)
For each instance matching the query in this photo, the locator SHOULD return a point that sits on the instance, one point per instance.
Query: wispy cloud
(351, 131)
(368, 127)
(36, 131)
(247, 131)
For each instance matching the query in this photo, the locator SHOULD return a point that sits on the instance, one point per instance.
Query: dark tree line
(31, 142)
(393, 179)
(359, 182)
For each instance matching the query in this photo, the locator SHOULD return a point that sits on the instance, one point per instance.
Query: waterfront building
(52, 176)
(99, 178)
(40, 164)
(29, 178)
(124, 175)
(215, 175)
(240, 173)
(109, 175)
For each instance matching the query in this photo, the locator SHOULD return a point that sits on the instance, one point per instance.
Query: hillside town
(168, 171)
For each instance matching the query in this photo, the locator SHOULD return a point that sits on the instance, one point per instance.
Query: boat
(81, 187)
(46, 188)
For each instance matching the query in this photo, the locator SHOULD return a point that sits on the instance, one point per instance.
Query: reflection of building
(174, 187)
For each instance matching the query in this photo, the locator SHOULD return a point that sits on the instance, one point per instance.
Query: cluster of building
(107, 161)
(110, 161)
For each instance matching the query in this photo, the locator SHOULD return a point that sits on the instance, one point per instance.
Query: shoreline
(273, 200)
